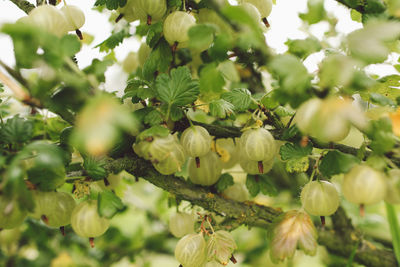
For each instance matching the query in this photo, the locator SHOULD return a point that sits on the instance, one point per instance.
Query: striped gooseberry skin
(86, 221)
(173, 162)
(161, 147)
(49, 18)
(364, 185)
(153, 8)
(74, 16)
(132, 11)
(196, 141)
(320, 198)
(263, 6)
(253, 167)
(11, 215)
(191, 250)
(257, 145)
(176, 27)
(208, 172)
(54, 207)
(181, 224)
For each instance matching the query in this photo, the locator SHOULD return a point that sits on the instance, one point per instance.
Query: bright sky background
(284, 20)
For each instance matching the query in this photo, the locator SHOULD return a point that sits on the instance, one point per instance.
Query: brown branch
(24, 5)
(341, 240)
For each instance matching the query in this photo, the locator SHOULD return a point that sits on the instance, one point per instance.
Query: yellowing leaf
(395, 118)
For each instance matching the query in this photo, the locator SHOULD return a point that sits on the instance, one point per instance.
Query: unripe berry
(86, 221)
(364, 185)
(320, 198)
(11, 215)
(257, 145)
(191, 250)
(176, 27)
(196, 141)
(209, 171)
(393, 187)
(49, 18)
(181, 224)
(153, 9)
(74, 16)
(173, 161)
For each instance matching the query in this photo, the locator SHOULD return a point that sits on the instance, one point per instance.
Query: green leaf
(178, 88)
(201, 36)
(371, 44)
(252, 185)
(239, 97)
(139, 89)
(113, 41)
(267, 187)
(45, 165)
(295, 151)
(70, 45)
(153, 131)
(153, 118)
(211, 80)
(109, 204)
(222, 44)
(225, 181)
(297, 165)
(174, 3)
(293, 78)
(336, 162)
(381, 135)
(394, 228)
(111, 4)
(303, 48)
(221, 108)
(94, 168)
(16, 130)
(355, 15)
(154, 34)
(316, 12)
(159, 60)
(98, 68)
(381, 100)
(386, 86)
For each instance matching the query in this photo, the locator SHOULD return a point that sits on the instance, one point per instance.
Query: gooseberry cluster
(206, 248)
(57, 21)
(207, 158)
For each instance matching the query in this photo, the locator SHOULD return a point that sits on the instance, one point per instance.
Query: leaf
(394, 228)
(201, 36)
(211, 80)
(295, 151)
(178, 88)
(113, 41)
(355, 15)
(387, 86)
(138, 89)
(267, 187)
(154, 34)
(371, 44)
(174, 3)
(109, 204)
(252, 185)
(70, 45)
(111, 4)
(381, 134)
(293, 78)
(336, 162)
(316, 12)
(159, 60)
(153, 131)
(94, 168)
(98, 68)
(303, 48)
(222, 44)
(16, 130)
(239, 97)
(221, 108)
(225, 181)
(153, 118)
(381, 100)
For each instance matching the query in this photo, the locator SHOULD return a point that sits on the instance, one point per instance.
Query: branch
(24, 5)
(343, 239)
